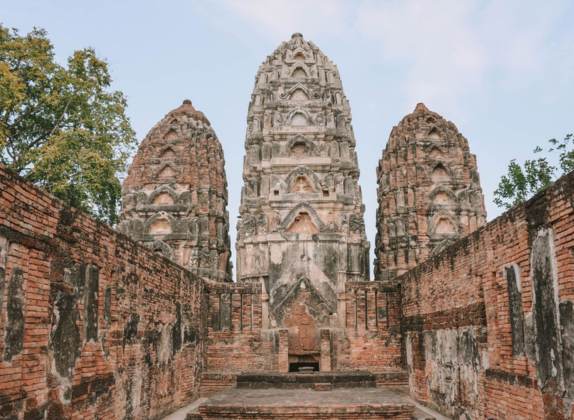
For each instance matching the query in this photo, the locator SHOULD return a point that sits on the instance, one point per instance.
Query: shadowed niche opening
(304, 367)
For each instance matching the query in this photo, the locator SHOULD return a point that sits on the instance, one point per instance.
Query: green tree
(521, 182)
(62, 127)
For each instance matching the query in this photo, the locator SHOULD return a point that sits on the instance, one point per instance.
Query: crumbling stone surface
(301, 230)
(429, 192)
(174, 198)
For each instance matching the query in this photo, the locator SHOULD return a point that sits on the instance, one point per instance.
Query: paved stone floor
(309, 397)
(348, 397)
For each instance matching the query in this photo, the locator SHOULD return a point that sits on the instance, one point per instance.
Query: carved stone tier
(175, 194)
(301, 231)
(429, 192)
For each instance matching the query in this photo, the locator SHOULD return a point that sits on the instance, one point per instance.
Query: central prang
(301, 231)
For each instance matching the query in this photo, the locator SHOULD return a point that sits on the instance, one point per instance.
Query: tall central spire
(301, 229)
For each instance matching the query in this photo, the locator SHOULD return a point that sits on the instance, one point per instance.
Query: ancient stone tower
(301, 231)
(175, 194)
(429, 192)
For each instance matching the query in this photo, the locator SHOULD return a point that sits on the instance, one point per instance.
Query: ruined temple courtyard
(461, 318)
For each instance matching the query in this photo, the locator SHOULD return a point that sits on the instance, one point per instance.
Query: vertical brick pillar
(283, 354)
(264, 305)
(341, 301)
(325, 361)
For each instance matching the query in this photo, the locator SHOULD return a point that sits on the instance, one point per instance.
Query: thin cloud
(279, 18)
(452, 48)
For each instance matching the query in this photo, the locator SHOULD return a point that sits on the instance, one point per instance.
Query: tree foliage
(62, 127)
(521, 182)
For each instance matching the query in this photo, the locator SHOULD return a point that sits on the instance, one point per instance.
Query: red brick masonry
(95, 326)
(92, 325)
(488, 324)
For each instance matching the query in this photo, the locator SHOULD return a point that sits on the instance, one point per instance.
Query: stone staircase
(313, 395)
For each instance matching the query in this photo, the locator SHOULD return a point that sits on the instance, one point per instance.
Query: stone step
(322, 386)
(306, 380)
(392, 378)
(351, 404)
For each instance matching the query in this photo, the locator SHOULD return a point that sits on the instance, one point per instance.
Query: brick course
(95, 326)
(457, 323)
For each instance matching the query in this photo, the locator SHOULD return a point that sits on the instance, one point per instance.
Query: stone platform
(277, 403)
(313, 395)
(307, 380)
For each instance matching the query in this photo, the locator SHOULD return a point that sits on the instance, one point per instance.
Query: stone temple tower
(429, 192)
(175, 194)
(301, 231)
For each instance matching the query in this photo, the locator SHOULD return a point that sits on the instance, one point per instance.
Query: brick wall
(93, 325)
(235, 340)
(239, 342)
(489, 323)
(371, 337)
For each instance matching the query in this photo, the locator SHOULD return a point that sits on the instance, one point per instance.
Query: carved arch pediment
(309, 145)
(299, 71)
(320, 306)
(435, 133)
(171, 134)
(303, 207)
(443, 224)
(164, 189)
(302, 112)
(167, 171)
(440, 172)
(435, 152)
(154, 220)
(298, 87)
(306, 172)
(167, 152)
(440, 190)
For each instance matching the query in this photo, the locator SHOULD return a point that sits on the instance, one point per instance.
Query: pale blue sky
(502, 71)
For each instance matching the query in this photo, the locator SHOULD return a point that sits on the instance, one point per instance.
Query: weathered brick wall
(371, 338)
(235, 341)
(92, 325)
(238, 342)
(489, 323)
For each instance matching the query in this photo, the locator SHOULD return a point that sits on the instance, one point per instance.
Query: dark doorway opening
(304, 367)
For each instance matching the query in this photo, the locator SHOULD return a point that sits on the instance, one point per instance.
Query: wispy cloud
(279, 18)
(452, 48)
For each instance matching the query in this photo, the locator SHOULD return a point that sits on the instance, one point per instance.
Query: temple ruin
(463, 319)
(301, 232)
(175, 194)
(429, 192)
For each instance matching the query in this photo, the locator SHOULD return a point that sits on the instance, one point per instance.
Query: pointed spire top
(187, 108)
(421, 108)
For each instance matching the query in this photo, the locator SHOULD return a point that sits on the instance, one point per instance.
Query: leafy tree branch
(521, 182)
(62, 127)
